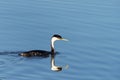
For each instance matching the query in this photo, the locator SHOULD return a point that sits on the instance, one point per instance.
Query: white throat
(53, 40)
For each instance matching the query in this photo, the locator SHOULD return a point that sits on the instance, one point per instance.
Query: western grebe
(43, 53)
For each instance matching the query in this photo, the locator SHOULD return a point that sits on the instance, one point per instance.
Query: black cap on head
(57, 35)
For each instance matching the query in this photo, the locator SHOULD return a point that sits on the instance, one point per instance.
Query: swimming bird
(43, 53)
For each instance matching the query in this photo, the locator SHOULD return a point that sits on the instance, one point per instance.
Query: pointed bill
(64, 39)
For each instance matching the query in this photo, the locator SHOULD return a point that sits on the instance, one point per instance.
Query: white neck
(53, 40)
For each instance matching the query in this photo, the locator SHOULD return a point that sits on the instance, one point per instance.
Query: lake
(91, 26)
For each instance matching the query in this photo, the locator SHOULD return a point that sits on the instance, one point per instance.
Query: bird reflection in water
(53, 65)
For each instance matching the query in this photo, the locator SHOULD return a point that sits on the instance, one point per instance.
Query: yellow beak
(64, 39)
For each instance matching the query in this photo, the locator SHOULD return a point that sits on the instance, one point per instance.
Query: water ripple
(91, 26)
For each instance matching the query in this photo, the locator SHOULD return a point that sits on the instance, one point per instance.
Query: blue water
(92, 27)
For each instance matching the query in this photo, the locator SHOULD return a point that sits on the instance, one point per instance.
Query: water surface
(92, 28)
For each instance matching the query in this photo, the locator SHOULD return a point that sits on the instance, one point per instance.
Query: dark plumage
(57, 36)
(42, 53)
